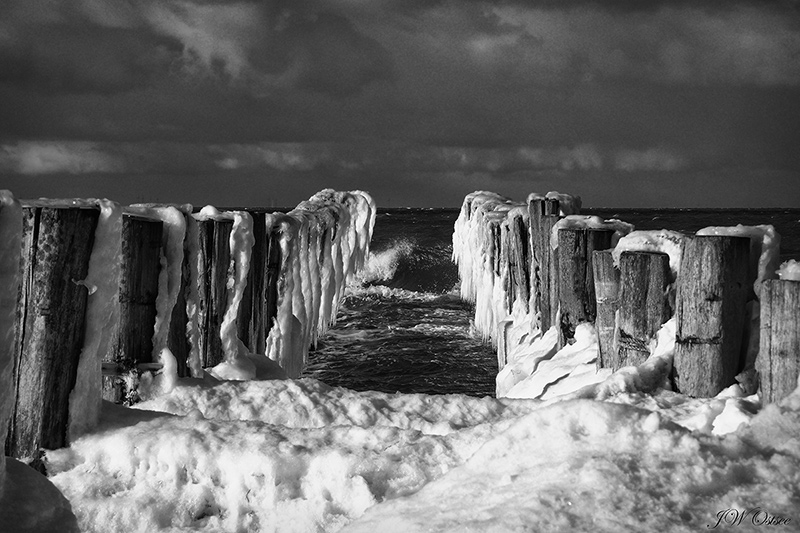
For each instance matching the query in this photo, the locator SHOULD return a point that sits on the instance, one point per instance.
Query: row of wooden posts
(628, 303)
(57, 243)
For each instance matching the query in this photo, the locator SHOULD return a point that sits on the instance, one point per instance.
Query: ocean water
(402, 328)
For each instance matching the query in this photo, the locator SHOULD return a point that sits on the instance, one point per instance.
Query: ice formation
(663, 241)
(475, 251)
(235, 364)
(324, 241)
(790, 270)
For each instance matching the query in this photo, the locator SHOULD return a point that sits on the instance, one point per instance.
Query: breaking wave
(408, 265)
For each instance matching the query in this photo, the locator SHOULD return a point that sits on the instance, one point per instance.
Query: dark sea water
(403, 327)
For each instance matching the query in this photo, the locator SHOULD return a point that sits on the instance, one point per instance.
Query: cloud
(651, 159)
(33, 158)
(674, 43)
(82, 46)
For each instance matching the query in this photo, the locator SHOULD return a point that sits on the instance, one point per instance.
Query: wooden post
(606, 289)
(251, 320)
(576, 296)
(778, 361)
(215, 257)
(133, 338)
(710, 312)
(544, 263)
(643, 304)
(493, 227)
(273, 255)
(57, 245)
(177, 340)
(516, 244)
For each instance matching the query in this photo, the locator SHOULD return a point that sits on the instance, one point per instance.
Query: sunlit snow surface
(302, 456)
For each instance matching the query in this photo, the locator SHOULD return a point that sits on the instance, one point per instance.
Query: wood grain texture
(252, 314)
(544, 265)
(778, 361)
(710, 313)
(606, 293)
(52, 327)
(643, 304)
(576, 296)
(215, 256)
(138, 291)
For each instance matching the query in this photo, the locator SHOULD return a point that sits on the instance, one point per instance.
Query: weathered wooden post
(133, 338)
(56, 247)
(544, 265)
(516, 244)
(643, 304)
(215, 256)
(606, 289)
(778, 361)
(710, 311)
(251, 321)
(10, 249)
(494, 220)
(576, 296)
(273, 262)
(177, 339)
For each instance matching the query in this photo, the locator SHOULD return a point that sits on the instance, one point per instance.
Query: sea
(403, 328)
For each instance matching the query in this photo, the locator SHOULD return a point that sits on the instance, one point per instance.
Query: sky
(262, 103)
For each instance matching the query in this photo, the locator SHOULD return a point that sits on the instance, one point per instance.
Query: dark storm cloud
(57, 59)
(460, 93)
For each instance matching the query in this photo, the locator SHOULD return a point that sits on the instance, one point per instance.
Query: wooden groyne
(99, 298)
(628, 283)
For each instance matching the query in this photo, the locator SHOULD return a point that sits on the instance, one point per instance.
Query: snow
(790, 270)
(590, 222)
(592, 466)
(662, 241)
(297, 455)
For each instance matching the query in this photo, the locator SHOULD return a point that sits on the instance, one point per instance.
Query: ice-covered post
(712, 291)
(606, 292)
(778, 361)
(543, 216)
(251, 322)
(643, 304)
(576, 296)
(10, 248)
(56, 248)
(138, 291)
(517, 254)
(215, 258)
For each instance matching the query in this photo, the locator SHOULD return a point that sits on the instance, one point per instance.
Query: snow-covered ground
(297, 455)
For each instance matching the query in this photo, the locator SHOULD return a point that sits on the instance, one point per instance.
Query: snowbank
(593, 466)
(301, 456)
